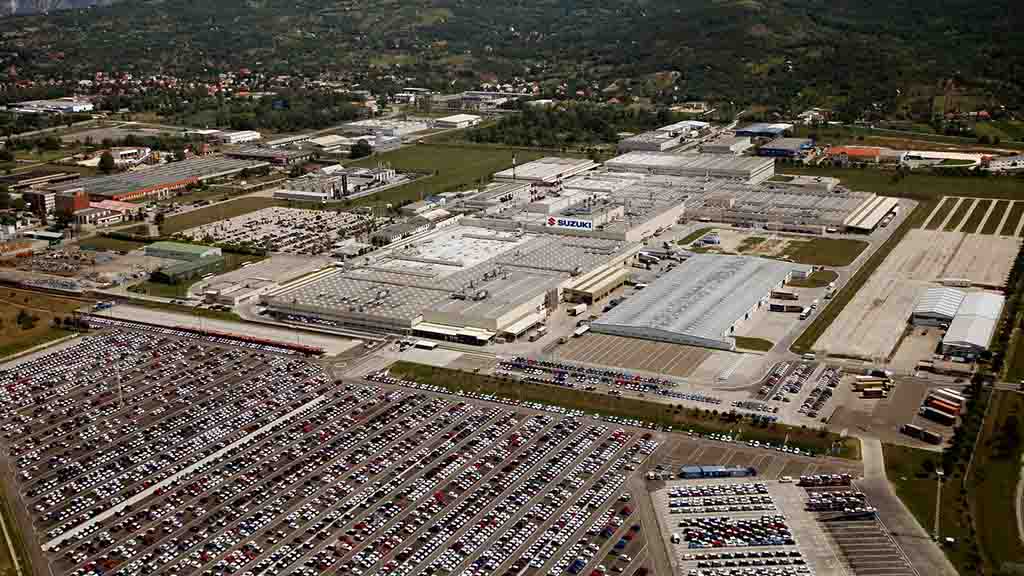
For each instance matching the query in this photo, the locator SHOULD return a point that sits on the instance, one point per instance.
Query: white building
(457, 121)
(975, 323)
(938, 306)
(240, 137)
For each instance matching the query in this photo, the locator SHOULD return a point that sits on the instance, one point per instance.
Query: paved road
(926, 557)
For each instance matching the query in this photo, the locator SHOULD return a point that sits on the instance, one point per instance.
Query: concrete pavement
(915, 542)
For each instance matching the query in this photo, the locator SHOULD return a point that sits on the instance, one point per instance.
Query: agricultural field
(918, 186)
(452, 168)
(985, 216)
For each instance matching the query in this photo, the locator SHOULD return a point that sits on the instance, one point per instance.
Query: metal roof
(697, 302)
(975, 322)
(939, 302)
(164, 174)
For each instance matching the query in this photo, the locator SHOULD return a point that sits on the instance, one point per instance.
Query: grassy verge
(31, 341)
(704, 421)
(105, 243)
(755, 344)
(958, 215)
(695, 235)
(819, 279)
(451, 168)
(912, 473)
(940, 214)
(974, 220)
(825, 251)
(995, 218)
(994, 477)
(179, 222)
(1013, 220)
(7, 567)
(835, 306)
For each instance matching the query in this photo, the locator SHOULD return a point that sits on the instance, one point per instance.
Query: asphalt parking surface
(147, 452)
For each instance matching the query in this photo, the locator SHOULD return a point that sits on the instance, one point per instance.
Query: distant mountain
(9, 7)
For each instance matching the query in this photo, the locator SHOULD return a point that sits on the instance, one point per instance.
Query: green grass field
(919, 186)
(992, 224)
(15, 336)
(1013, 220)
(104, 243)
(819, 279)
(179, 222)
(452, 167)
(974, 220)
(941, 213)
(7, 565)
(835, 307)
(695, 235)
(958, 215)
(825, 251)
(653, 412)
(911, 471)
(754, 344)
(994, 481)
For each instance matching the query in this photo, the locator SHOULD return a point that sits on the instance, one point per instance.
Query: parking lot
(631, 353)
(277, 229)
(141, 452)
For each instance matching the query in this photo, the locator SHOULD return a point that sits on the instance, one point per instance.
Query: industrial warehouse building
(655, 141)
(937, 307)
(180, 251)
(764, 130)
(457, 121)
(786, 148)
(548, 170)
(970, 333)
(727, 145)
(188, 269)
(159, 181)
(701, 302)
(743, 168)
(460, 283)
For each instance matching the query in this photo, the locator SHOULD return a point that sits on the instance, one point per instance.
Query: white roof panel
(939, 302)
(976, 320)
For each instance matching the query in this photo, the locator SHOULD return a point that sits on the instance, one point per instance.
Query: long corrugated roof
(701, 298)
(975, 322)
(941, 302)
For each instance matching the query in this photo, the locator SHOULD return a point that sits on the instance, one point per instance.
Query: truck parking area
(144, 452)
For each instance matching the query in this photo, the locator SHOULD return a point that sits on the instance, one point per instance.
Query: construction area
(285, 230)
(873, 323)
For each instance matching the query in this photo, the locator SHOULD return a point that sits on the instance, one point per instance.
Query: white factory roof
(939, 303)
(329, 140)
(975, 322)
(871, 213)
(459, 118)
(684, 125)
(692, 164)
(698, 302)
(548, 169)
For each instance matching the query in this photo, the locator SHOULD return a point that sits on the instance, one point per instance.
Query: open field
(996, 470)
(632, 353)
(919, 186)
(622, 407)
(1013, 219)
(105, 243)
(995, 219)
(973, 221)
(36, 312)
(852, 287)
(453, 168)
(222, 211)
(911, 471)
(836, 252)
(941, 213)
(871, 325)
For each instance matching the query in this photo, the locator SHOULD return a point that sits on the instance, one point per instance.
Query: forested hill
(839, 51)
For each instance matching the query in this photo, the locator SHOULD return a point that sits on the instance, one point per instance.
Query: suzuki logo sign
(570, 223)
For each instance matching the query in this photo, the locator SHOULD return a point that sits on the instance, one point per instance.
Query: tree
(361, 149)
(107, 163)
(179, 154)
(5, 198)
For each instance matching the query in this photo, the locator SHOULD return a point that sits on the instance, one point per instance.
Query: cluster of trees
(7, 202)
(569, 126)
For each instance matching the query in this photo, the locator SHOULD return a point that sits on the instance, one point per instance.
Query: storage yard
(342, 477)
(872, 324)
(287, 230)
